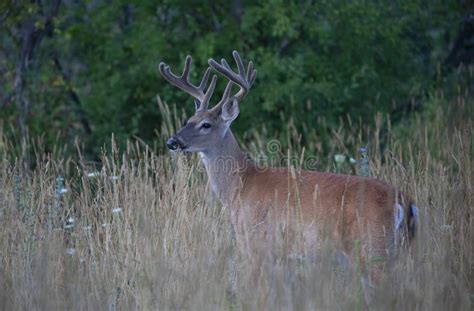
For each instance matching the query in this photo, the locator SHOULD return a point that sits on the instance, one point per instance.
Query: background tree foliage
(89, 68)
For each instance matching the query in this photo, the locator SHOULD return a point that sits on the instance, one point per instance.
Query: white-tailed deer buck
(343, 207)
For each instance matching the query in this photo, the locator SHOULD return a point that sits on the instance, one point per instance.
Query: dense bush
(92, 68)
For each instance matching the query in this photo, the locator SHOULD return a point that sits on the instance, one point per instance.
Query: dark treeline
(85, 69)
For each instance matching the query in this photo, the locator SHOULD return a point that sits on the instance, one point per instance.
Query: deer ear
(230, 110)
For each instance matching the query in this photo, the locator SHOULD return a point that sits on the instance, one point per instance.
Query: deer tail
(406, 217)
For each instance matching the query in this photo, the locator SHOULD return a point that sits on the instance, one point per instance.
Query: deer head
(208, 126)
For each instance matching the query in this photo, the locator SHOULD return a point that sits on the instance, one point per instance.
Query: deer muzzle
(174, 144)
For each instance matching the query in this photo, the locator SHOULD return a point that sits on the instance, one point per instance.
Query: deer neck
(224, 164)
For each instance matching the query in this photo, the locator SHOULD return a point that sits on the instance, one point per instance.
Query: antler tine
(205, 102)
(187, 68)
(240, 65)
(225, 64)
(182, 82)
(249, 71)
(205, 78)
(225, 96)
(208, 94)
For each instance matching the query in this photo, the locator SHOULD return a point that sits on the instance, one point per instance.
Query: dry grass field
(141, 231)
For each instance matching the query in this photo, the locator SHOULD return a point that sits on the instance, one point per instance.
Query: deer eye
(206, 125)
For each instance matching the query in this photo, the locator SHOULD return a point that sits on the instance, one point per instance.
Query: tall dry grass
(140, 230)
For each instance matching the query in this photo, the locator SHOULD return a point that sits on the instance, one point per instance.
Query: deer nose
(172, 143)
